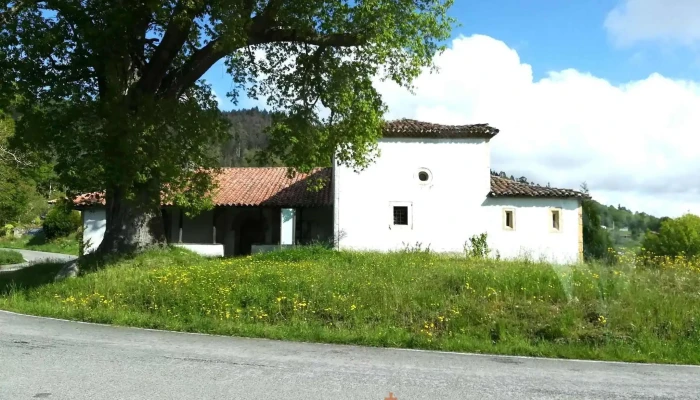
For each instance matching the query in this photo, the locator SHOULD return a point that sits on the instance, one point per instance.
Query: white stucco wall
(448, 209)
(94, 223)
(444, 212)
(532, 236)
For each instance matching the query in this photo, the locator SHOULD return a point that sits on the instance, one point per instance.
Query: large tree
(114, 87)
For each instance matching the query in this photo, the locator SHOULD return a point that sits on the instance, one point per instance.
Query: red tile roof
(89, 199)
(271, 187)
(410, 128)
(504, 187)
(257, 187)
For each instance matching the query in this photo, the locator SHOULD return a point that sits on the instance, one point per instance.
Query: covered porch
(255, 210)
(228, 231)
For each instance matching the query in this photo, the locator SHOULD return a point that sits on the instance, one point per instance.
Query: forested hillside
(247, 137)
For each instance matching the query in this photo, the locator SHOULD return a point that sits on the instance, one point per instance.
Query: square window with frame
(555, 220)
(509, 219)
(400, 215)
(400, 212)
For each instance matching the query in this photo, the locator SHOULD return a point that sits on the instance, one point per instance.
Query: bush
(597, 243)
(7, 230)
(8, 257)
(61, 220)
(678, 236)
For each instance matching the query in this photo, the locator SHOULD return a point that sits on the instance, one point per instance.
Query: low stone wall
(207, 250)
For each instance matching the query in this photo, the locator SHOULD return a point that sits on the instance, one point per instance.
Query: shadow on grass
(92, 262)
(40, 274)
(28, 278)
(38, 240)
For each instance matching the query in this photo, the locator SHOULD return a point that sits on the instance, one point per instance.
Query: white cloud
(646, 20)
(634, 144)
(218, 98)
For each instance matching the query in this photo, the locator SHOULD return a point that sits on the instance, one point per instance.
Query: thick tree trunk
(133, 224)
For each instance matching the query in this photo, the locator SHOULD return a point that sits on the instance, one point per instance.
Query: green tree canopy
(677, 236)
(596, 240)
(19, 200)
(114, 87)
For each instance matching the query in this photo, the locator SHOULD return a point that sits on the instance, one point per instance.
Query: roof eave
(525, 196)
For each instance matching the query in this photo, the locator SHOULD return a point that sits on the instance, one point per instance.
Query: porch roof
(254, 186)
(270, 186)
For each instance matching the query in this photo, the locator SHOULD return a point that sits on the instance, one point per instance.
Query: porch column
(179, 235)
(288, 223)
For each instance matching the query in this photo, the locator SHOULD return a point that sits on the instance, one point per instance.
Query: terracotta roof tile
(504, 187)
(272, 187)
(88, 199)
(410, 128)
(257, 187)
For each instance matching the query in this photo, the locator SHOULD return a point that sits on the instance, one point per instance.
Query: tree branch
(312, 38)
(8, 13)
(193, 69)
(138, 38)
(6, 155)
(174, 38)
(263, 29)
(204, 58)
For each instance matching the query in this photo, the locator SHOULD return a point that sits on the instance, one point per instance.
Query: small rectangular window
(556, 223)
(400, 215)
(508, 219)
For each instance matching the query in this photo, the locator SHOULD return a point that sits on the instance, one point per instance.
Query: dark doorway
(252, 231)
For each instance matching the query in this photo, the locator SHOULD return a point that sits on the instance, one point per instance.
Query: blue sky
(560, 34)
(551, 35)
(604, 91)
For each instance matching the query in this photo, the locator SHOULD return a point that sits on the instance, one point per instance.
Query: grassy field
(8, 257)
(66, 245)
(412, 300)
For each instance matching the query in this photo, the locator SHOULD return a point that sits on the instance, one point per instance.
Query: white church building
(431, 185)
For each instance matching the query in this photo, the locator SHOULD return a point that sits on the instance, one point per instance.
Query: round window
(424, 176)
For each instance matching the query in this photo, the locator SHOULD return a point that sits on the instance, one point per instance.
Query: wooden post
(213, 226)
(179, 239)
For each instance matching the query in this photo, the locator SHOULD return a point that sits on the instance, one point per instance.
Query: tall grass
(8, 257)
(406, 299)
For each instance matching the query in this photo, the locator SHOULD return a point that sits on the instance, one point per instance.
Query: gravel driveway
(33, 257)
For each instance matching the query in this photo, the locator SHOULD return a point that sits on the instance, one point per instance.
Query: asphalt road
(31, 256)
(52, 359)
